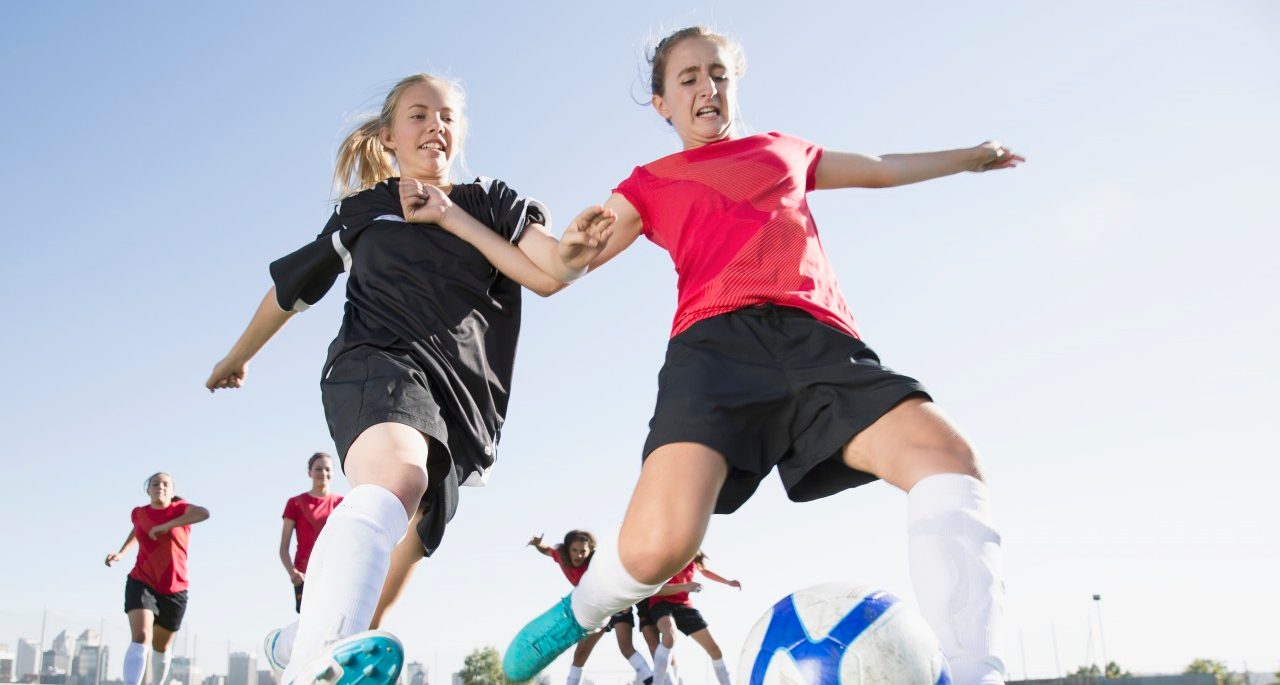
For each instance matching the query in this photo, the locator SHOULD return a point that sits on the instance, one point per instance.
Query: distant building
(6, 665)
(25, 663)
(266, 678)
(242, 669)
(214, 680)
(89, 663)
(183, 671)
(414, 674)
(456, 679)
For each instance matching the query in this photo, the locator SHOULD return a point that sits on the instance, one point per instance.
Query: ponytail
(362, 161)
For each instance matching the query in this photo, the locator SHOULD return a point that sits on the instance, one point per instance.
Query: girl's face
(160, 488)
(321, 471)
(426, 123)
(578, 552)
(699, 95)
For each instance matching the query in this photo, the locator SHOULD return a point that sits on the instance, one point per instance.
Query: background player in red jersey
(155, 593)
(305, 515)
(765, 369)
(573, 555)
(672, 609)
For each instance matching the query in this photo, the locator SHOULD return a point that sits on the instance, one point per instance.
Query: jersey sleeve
(290, 510)
(632, 188)
(510, 212)
(812, 155)
(304, 276)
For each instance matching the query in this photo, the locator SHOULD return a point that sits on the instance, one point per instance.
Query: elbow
(549, 289)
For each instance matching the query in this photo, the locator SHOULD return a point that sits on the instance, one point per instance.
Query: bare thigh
(670, 509)
(140, 625)
(912, 441)
(393, 456)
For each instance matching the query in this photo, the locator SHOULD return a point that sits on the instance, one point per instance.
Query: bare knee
(653, 559)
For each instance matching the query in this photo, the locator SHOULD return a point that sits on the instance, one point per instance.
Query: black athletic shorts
(168, 609)
(297, 597)
(368, 385)
(625, 616)
(688, 620)
(772, 386)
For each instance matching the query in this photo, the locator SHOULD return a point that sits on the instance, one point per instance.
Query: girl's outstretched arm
(539, 263)
(718, 578)
(536, 543)
(853, 170)
(128, 542)
(674, 588)
(269, 319)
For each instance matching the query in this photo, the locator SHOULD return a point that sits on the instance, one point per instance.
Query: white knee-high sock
(159, 667)
(347, 569)
(722, 671)
(607, 588)
(135, 663)
(637, 662)
(283, 648)
(954, 554)
(575, 675)
(661, 659)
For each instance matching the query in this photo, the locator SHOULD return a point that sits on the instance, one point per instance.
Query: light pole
(1097, 603)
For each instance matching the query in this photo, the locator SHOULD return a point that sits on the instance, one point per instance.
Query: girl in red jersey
(305, 515)
(573, 555)
(672, 609)
(155, 593)
(765, 369)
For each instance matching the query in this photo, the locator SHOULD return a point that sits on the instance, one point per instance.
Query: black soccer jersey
(419, 289)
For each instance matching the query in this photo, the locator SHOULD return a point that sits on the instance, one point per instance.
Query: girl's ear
(661, 106)
(384, 135)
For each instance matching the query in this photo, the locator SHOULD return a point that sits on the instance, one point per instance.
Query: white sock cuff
(606, 588)
(575, 670)
(379, 505)
(607, 566)
(944, 493)
(662, 652)
(164, 656)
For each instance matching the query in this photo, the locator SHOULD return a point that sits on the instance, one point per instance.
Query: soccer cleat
(269, 651)
(541, 641)
(373, 657)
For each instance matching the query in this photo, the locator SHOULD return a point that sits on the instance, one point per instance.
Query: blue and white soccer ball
(842, 634)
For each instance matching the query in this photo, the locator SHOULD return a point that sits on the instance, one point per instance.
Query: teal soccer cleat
(541, 641)
(369, 658)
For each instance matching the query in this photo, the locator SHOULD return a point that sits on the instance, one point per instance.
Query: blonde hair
(363, 161)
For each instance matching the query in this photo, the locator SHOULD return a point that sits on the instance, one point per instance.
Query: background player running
(155, 593)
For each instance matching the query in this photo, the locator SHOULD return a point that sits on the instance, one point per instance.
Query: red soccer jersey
(573, 573)
(308, 514)
(162, 563)
(734, 217)
(684, 576)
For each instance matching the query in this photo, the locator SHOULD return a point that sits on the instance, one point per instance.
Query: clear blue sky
(1097, 320)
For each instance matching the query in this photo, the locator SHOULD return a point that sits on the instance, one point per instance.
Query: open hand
(113, 558)
(586, 236)
(536, 541)
(997, 157)
(423, 203)
(228, 373)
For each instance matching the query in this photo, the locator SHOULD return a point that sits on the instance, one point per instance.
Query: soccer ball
(842, 634)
